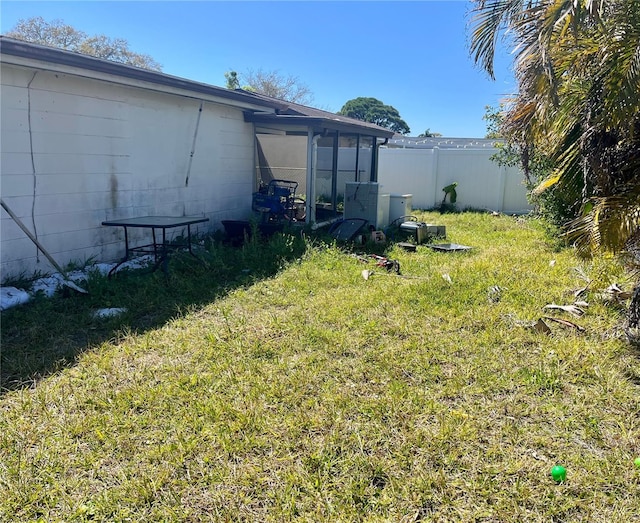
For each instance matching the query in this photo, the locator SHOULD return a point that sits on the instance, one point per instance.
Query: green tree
(63, 36)
(429, 134)
(374, 111)
(555, 205)
(271, 83)
(577, 64)
(232, 80)
(578, 71)
(493, 117)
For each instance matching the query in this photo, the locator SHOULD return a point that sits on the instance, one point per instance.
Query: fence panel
(409, 171)
(482, 183)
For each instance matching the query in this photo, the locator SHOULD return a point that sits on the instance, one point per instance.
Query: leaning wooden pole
(37, 243)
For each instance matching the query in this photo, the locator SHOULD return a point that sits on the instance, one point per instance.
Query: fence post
(434, 170)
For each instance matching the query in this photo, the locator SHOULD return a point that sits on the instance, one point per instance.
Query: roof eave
(18, 48)
(317, 124)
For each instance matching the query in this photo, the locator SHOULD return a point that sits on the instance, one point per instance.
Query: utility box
(417, 231)
(421, 232)
(439, 231)
(367, 201)
(399, 206)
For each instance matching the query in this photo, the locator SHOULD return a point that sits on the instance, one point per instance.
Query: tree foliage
(429, 134)
(554, 204)
(493, 117)
(374, 111)
(231, 78)
(271, 83)
(63, 36)
(577, 64)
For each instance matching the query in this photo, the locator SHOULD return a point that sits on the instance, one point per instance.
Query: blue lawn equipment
(277, 201)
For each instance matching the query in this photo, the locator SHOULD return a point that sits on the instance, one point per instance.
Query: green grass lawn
(278, 384)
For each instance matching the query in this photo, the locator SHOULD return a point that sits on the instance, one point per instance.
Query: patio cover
(295, 119)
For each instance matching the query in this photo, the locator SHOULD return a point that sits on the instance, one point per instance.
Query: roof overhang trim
(60, 57)
(315, 123)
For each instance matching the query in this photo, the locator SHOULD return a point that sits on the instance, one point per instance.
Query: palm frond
(490, 20)
(607, 223)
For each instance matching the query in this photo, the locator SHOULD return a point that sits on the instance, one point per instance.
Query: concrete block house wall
(80, 147)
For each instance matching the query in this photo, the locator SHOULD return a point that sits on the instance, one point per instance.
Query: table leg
(126, 254)
(189, 239)
(165, 253)
(155, 245)
(126, 244)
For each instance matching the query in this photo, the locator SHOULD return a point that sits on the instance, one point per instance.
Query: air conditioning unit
(367, 201)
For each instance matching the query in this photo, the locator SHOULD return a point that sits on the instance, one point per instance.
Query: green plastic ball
(559, 473)
(636, 462)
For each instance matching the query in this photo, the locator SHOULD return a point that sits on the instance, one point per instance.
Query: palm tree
(577, 63)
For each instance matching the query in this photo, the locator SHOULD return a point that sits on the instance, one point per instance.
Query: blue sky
(411, 55)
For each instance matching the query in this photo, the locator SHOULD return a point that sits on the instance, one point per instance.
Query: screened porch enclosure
(321, 165)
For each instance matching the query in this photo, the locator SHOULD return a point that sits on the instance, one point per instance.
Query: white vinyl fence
(482, 183)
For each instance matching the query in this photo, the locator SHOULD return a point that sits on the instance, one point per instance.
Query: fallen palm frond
(565, 323)
(571, 309)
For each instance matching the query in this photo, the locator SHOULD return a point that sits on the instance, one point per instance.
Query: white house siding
(77, 151)
(482, 183)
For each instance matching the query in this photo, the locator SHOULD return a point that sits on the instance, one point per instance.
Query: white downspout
(312, 161)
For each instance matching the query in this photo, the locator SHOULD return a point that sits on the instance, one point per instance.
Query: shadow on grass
(48, 334)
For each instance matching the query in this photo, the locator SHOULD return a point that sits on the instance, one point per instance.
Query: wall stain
(113, 183)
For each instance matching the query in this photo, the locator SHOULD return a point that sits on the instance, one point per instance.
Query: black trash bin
(236, 230)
